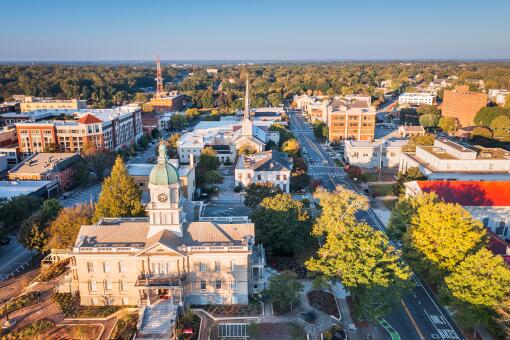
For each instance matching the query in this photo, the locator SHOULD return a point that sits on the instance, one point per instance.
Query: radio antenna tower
(159, 78)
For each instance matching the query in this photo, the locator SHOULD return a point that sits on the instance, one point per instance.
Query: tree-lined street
(420, 316)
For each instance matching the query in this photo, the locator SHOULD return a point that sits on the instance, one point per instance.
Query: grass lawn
(381, 189)
(390, 204)
(74, 332)
(371, 176)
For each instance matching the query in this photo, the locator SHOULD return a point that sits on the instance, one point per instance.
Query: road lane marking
(412, 319)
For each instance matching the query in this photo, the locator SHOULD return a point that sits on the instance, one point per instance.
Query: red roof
(89, 119)
(470, 193)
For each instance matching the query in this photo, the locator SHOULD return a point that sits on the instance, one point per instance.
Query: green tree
(16, 209)
(291, 147)
(429, 120)
(448, 124)
(98, 160)
(478, 286)
(501, 126)
(368, 267)
(338, 209)
(432, 241)
(177, 122)
(403, 212)
(481, 132)
(155, 134)
(33, 233)
(120, 196)
(299, 178)
(247, 149)
(285, 134)
(486, 115)
(429, 110)
(172, 144)
(141, 98)
(256, 192)
(284, 290)
(64, 229)
(426, 139)
(412, 174)
(283, 224)
(320, 130)
(212, 177)
(206, 162)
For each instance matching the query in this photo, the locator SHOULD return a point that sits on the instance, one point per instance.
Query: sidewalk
(347, 321)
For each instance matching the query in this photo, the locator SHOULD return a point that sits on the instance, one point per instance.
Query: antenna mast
(159, 78)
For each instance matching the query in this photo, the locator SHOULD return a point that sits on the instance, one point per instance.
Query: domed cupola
(163, 173)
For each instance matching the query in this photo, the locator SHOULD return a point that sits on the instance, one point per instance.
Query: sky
(73, 30)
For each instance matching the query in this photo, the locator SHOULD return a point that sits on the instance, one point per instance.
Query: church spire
(247, 99)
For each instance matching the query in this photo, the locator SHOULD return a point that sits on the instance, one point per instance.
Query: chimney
(191, 160)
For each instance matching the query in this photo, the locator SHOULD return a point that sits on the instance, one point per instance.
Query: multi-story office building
(351, 120)
(416, 99)
(30, 103)
(162, 258)
(47, 166)
(99, 128)
(167, 102)
(449, 160)
(463, 104)
(268, 166)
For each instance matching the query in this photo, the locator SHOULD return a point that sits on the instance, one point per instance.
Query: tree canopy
(120, 196)
(256, 192)
(282, 224)
(64, 229)
(412, 174)
(284, 289)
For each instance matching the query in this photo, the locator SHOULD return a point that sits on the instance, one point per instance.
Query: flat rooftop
(44, 162)
(10, 189)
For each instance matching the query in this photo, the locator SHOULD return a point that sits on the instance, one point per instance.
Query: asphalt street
(420, 317)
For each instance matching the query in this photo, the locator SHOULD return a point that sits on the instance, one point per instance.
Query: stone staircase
(158, 320)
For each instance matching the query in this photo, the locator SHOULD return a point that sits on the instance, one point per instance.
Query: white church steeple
(247, 124)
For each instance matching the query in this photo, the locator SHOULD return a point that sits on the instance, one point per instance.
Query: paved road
(420, 317)
(14, 258)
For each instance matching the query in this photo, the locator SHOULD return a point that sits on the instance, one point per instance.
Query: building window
(106, 267)
(202, 266)
(90, 267)
(123, 284)
(217, 266)
(259, 177)
(108, 285)
(93, 286)
(203, 285)
(277, 177)
(501, 230)
(122, 267)
(284, 177)
(485, 222)
(233, 284)
(233, 266)
(218, 284)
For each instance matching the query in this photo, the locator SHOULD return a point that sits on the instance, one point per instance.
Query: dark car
(4, 241)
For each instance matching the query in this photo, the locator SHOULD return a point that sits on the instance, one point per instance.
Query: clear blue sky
(42, 30)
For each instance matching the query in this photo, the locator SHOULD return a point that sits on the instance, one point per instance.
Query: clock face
(162, 198)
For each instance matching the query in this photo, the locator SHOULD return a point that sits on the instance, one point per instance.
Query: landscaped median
(33, 330)
(19, 302)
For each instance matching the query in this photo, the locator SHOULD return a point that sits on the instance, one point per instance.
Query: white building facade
(449, 160)
(269, 166)
(416, 99)
(366, 154)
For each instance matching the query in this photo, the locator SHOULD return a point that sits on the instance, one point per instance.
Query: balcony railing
(161, 279)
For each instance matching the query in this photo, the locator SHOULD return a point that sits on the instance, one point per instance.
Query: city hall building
(162, 257)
